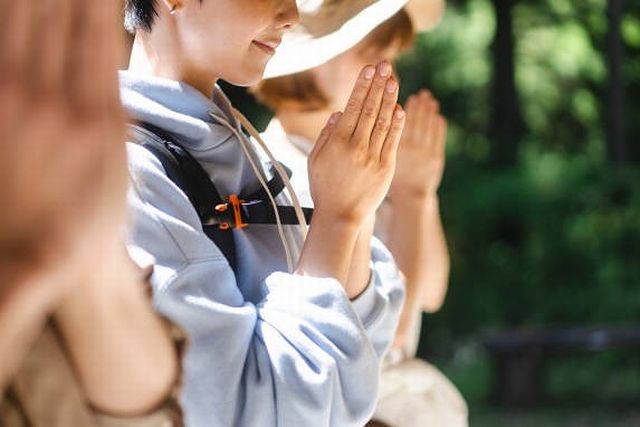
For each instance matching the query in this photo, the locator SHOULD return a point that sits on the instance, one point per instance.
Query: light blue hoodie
(265, 348)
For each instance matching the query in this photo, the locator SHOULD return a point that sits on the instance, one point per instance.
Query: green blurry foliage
(555, 239)
(631, 69)
(554, 242)
(454, 63)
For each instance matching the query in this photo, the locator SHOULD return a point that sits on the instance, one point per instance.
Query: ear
(172, 6)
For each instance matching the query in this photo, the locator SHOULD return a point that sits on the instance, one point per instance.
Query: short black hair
(139, 15)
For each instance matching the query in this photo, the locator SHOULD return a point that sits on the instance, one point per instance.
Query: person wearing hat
(285, 325)
(413, 393)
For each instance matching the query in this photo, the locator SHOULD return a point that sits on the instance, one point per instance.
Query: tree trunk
(616, 141)
(507, 125)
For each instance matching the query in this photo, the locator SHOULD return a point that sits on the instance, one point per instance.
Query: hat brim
(300, 51)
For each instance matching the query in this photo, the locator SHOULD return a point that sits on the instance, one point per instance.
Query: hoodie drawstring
(283, 175)
(258, 173)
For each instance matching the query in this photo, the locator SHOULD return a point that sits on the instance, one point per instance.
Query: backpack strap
(184, 171)
(218, 215)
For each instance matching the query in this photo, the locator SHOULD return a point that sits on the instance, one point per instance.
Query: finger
(426, 117)
(93, 66)
(411, 103)
(390, 149)
(52, 40)
(421, 116)
(14, 48)
(434, 124)
(433, 107)
(8, 7)
(116, 174)
(94, 94)
(326, 133)
(417, 116)
(424, 98)
(351, 115)
(441, 135)
(385, 117)
(371, 108)
(114, 42)
(411, 124)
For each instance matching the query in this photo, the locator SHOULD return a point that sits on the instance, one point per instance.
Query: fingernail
(392, 85)
(385, 69)
(333, 118)
(369, 72)
(399, 113)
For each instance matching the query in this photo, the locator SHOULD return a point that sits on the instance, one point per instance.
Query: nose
(288, 17)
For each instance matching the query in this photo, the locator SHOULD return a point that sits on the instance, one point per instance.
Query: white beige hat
(330, 27)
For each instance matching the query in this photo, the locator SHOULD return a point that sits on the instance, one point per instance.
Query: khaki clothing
(46, 393)
(413, 393)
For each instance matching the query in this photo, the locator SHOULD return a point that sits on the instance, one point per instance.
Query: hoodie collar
(177, 108)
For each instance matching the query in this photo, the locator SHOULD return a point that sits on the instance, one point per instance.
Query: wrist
(328, 247)
(414, 200)
(326, 219)
(419, 190)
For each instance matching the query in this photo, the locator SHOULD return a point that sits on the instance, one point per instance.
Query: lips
(267, 46)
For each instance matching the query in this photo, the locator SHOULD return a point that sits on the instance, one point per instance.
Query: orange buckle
(222, 207)
(237, 213)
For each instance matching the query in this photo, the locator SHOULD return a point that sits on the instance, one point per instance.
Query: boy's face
(233, 38)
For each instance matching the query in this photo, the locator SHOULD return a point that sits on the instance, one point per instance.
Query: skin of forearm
(30, 289)
(438, 266)
(328, 249)
(24, 309)
(360, 270)
(121, 349)
(417, 241)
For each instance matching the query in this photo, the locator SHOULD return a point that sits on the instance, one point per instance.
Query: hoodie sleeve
(387, 282)
(303, 355)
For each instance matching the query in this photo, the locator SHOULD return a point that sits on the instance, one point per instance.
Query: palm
(421, 160)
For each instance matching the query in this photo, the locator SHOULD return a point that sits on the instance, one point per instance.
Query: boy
(265, 347)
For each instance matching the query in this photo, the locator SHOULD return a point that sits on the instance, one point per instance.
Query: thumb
(326, 133)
